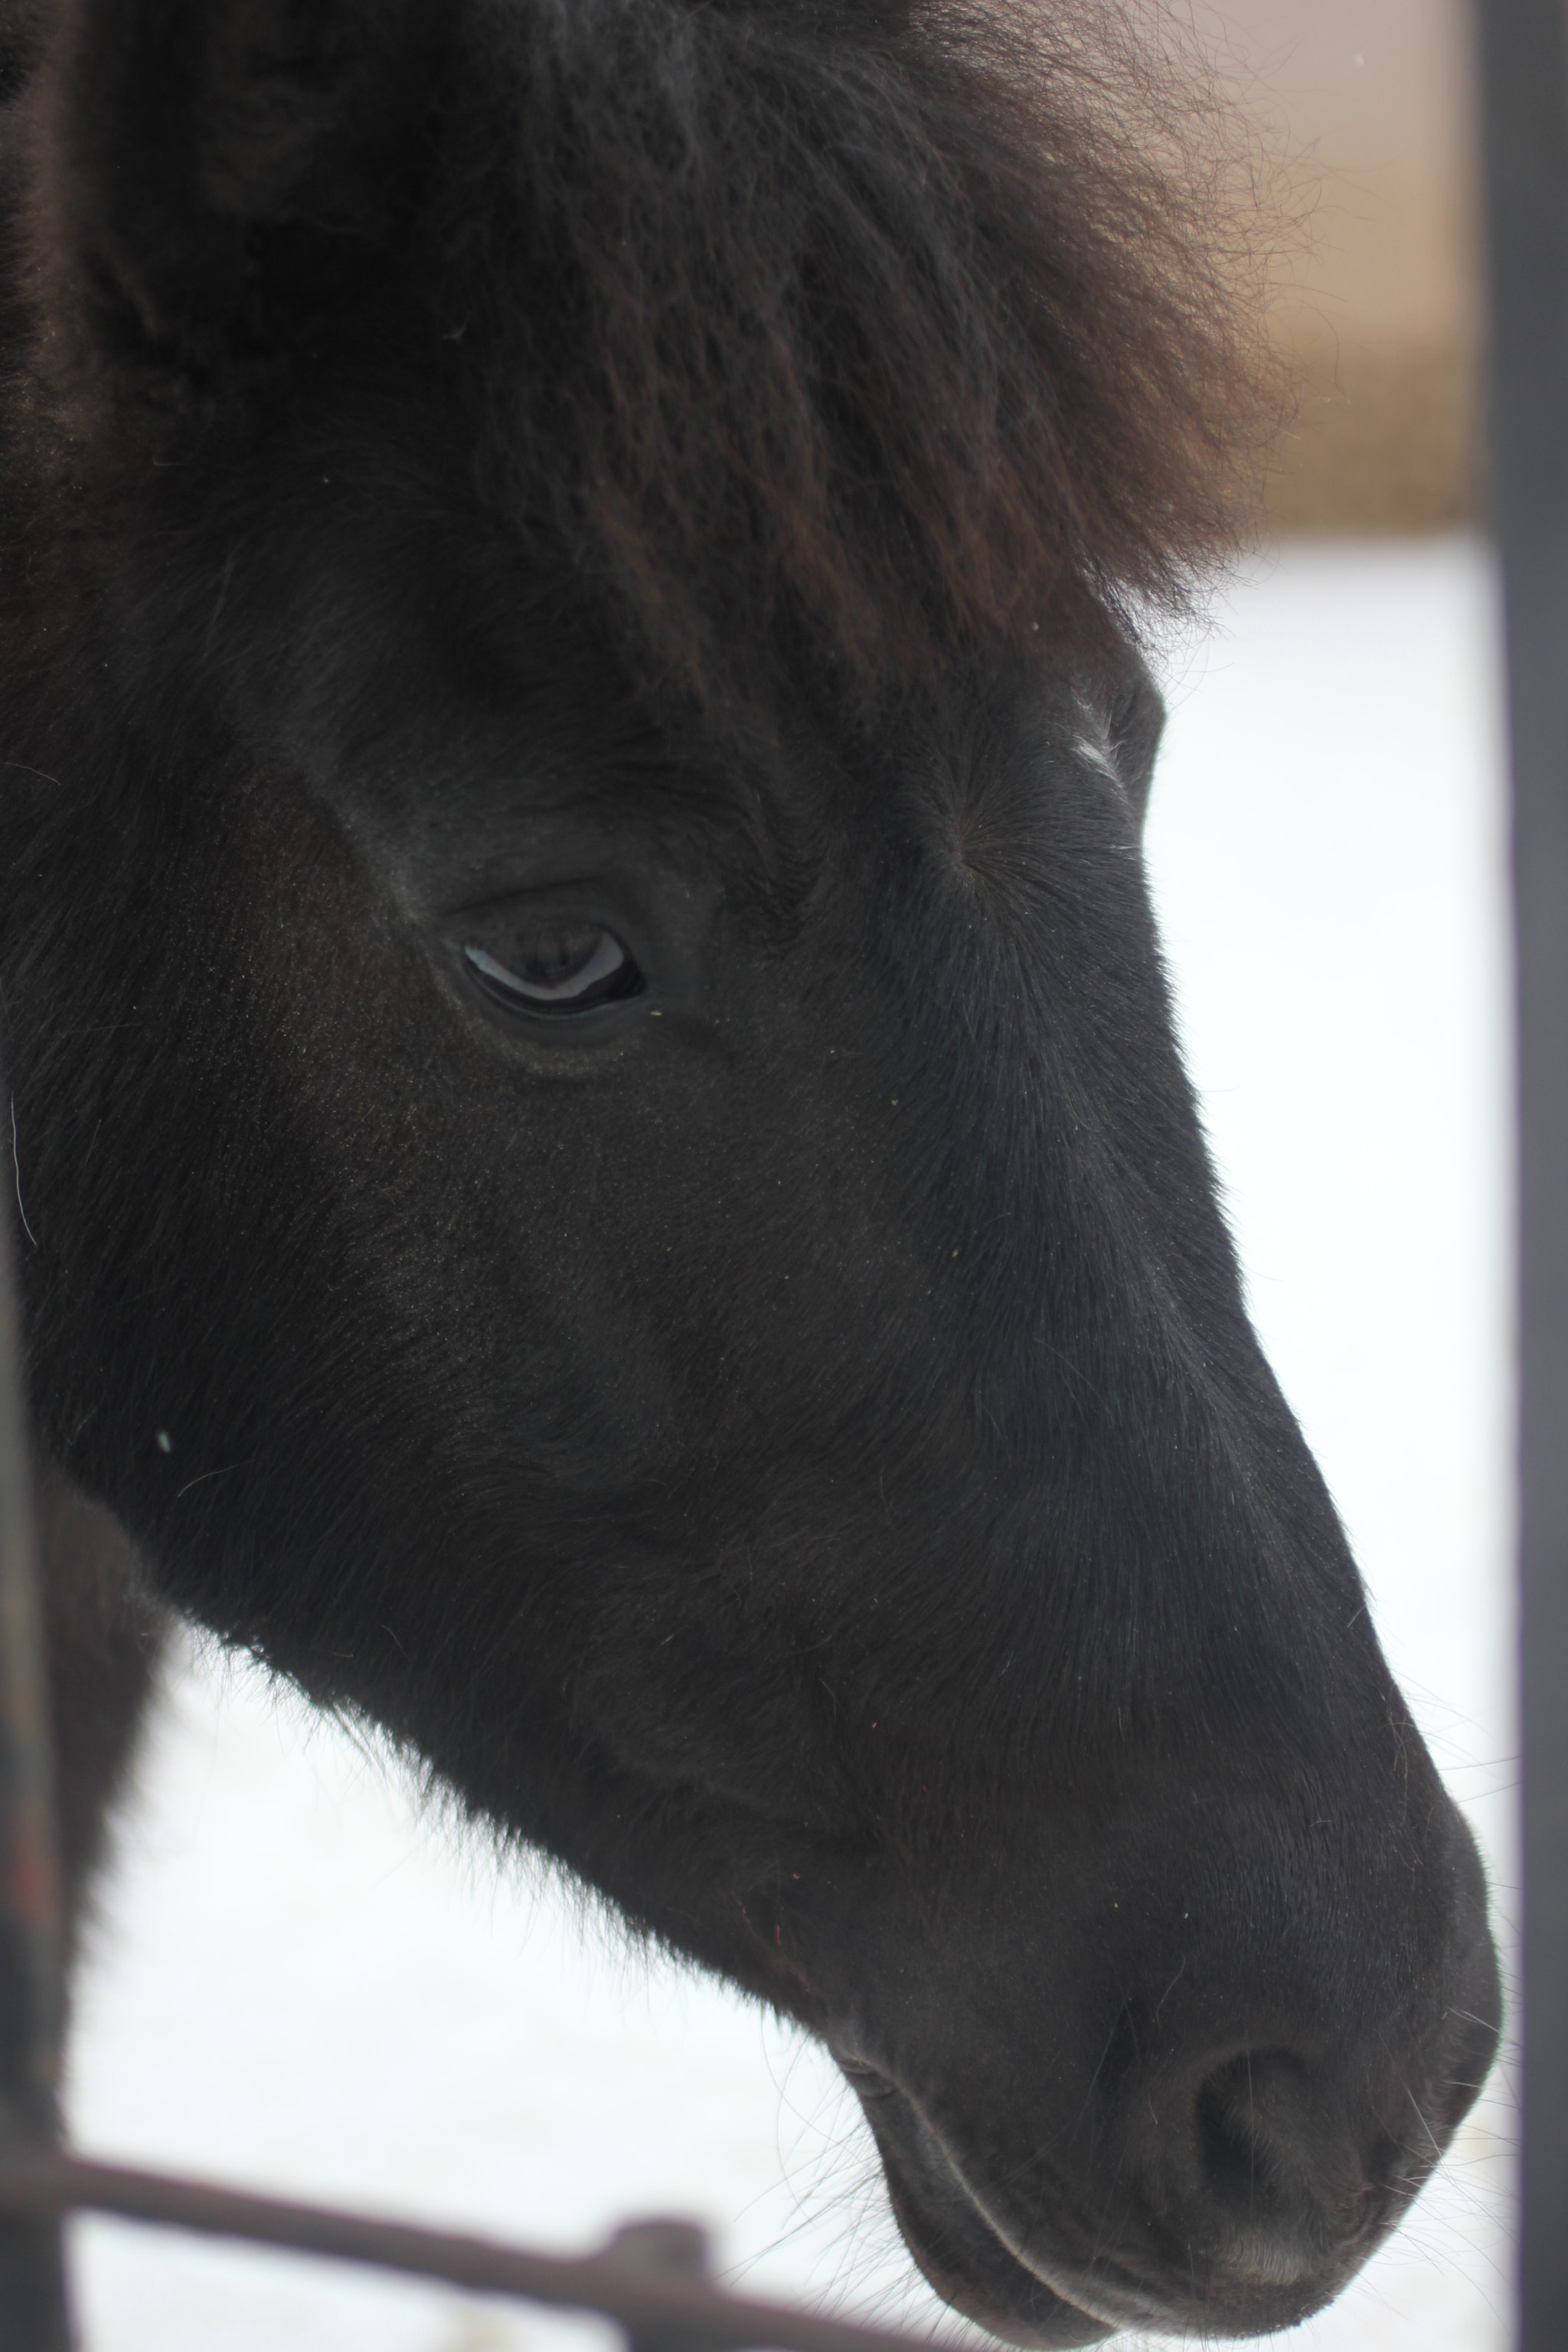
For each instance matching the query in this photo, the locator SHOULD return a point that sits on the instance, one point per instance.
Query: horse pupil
(553, 966)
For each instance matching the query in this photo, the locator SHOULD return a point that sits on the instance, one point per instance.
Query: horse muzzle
(1193, 2156)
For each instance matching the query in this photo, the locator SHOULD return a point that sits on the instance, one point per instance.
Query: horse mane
(827, 339)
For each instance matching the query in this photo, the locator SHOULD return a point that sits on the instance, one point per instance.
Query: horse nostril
(1250, 2114)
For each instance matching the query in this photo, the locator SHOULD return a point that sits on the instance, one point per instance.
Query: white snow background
(299, 1985)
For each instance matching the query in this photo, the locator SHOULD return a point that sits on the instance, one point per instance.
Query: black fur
(788, 1442)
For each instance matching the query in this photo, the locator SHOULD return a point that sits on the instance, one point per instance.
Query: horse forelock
(826, 342)
(844, 338)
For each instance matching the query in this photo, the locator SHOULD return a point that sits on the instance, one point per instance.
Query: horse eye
(568, 970)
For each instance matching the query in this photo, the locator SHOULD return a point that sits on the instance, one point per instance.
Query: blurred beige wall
(1380, 310)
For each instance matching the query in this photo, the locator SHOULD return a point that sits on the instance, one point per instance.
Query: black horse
(606, 1177)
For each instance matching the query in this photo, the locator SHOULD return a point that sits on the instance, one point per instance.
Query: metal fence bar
(32, 2282)
(1524, 96)
(648, 2279)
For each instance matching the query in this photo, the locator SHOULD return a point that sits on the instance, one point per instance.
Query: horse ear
(211, 164)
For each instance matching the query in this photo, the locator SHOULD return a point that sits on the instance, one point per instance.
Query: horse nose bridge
(1063, 1161)
(1085, 1280)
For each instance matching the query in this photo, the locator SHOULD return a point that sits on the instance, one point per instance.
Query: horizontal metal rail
(649, 2279)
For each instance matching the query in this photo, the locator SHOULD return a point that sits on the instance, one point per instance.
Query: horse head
(612, 1183)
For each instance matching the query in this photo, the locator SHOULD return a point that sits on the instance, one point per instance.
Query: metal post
(1524, 88)
(660, 2250)
(32, 2284)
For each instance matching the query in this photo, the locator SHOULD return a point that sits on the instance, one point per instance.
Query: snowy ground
(299, 1985)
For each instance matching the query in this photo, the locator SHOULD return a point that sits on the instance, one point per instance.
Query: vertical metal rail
(31, 2284)
(1524, 100)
